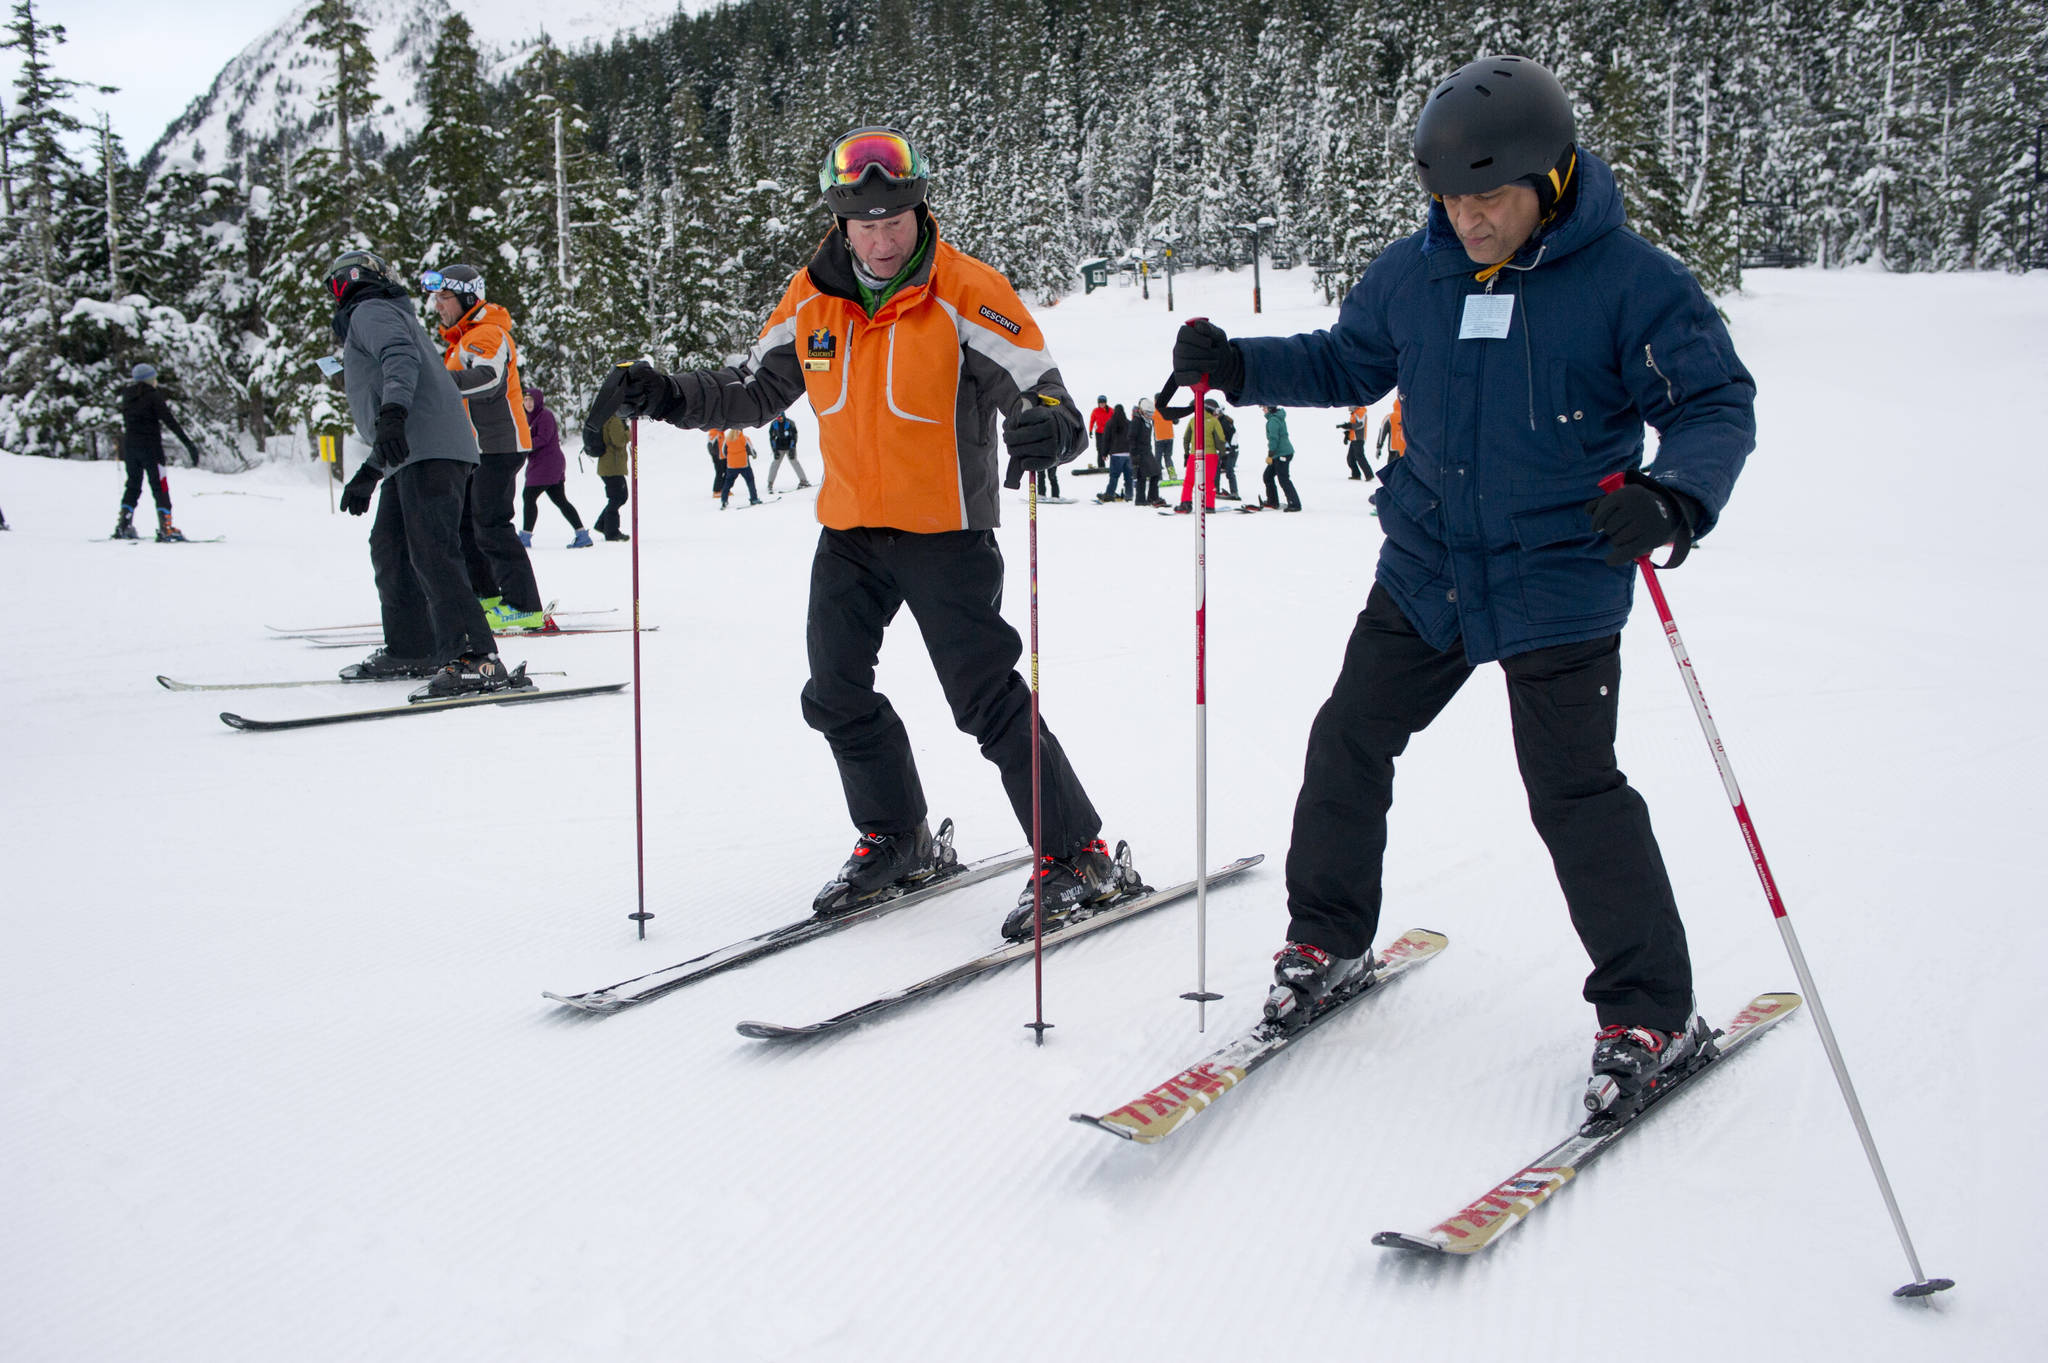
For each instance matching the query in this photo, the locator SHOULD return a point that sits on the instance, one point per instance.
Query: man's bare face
(449, 307)
(1494, 225)
(883, 244)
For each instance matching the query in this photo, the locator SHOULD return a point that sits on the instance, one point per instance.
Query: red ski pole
(640, 915)
(1922, 1285)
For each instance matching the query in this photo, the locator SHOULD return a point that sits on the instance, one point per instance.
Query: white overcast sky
(161, 53)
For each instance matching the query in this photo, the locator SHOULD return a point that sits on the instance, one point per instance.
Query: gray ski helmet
(356, 267)
(1495, 121)
(872, 173)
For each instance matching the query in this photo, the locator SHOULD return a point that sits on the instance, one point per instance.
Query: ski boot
(1308, 979)
(1630, 1064)
(883, 863)
(166, 533)
(1068, 885)
(616, 537)
(383, 665)
(526, 539)
(468, 676)
(124, 528)
(504, 617)
(582, 540)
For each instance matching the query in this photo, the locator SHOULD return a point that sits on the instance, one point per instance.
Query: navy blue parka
(1486, 533)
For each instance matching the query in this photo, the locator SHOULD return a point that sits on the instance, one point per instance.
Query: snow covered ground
(277, 1081)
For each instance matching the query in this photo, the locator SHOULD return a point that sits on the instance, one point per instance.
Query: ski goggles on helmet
(871, 149)
(434, 281)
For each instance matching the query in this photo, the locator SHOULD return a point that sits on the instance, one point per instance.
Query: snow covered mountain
(268, 93)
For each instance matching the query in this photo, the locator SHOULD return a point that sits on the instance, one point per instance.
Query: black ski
(531, 695)
(1173, 1104)
(171, 684)
(951, 876)
(1501, 1208)
(1103, 916)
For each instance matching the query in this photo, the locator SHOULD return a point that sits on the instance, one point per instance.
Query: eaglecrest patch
(819, 348)
(1005, 323)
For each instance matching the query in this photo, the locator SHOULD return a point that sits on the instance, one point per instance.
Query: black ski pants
(140, 468)
(730, 476)
(1354, 459)
(416, 553)
(1277, 472)
(530, 504)
(1563, 701)
(497, 561)
(607, 522)
(953, 584)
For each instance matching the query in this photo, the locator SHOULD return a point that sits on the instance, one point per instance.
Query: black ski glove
(1201, 348)
(1034, 436)
(392, 449)
(1642, 516)
(635, 388)
(355, 498)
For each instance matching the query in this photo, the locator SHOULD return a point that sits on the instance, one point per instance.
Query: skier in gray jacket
(406, 406)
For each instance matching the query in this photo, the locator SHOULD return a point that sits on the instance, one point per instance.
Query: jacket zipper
(1651, 360)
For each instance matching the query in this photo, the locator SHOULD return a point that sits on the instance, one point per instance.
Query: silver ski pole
(1922, 1285)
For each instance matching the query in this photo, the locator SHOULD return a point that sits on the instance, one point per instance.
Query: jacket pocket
(1562, 570)
(1412, 522)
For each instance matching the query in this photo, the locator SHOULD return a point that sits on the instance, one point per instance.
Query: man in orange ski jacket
(485, 363)
(911, 353)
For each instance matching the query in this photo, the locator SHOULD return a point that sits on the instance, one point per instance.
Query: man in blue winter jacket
(1532, 335)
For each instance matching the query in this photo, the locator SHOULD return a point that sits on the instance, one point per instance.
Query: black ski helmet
(466, 280)
(872, 173)
(356, 267)
(1495, 121)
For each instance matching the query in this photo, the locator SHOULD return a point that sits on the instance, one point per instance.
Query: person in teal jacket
(1532, 336)
(1279, 460)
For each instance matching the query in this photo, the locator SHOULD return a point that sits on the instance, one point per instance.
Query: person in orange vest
(485, 363)
(738, 452)
(1353, 427)
(1391, 437)
(1162, 438)
(910, 352)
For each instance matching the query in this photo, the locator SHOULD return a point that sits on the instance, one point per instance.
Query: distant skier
(407, 409)
(1144, 457)
(738, 452)
(1212, 449)
(144, 414)
(547, 469)
(1098, 427)
(910, 353)
(1119, 457)
(485, 361)
(1535, 336)
(1393, 443)
(611, 446)
(782, 436)
(1279, 462)
(1353, 428)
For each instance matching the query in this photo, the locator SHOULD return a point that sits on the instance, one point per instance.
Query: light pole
(1166, 249)
(1254, 229)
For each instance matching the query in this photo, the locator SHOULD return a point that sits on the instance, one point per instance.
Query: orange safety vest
(907, 400)
(479, 345)
(737, 451)
(1398, 441)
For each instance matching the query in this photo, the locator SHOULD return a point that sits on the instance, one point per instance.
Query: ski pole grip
(1612, 482)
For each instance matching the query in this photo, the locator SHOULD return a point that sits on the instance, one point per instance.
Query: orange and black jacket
(485, 363)
(907, 400)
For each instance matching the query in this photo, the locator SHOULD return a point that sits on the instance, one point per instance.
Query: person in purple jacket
(546, 470)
